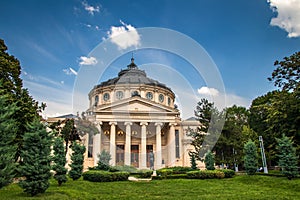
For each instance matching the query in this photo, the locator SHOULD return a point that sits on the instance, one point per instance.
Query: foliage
(193, 161)
(209, 161)
(104, 158)
(229, 147)
(287, 157)
(211, 120)
(250, 158)
(69, 133)
(145, 173)
(287, 73)
(59, 160)
(229, 173)
(77, 158)
(104, 176)
(35, 155)
(164, 172)
(125, 168)
(12, 86)
(205, 174)
(7, 147)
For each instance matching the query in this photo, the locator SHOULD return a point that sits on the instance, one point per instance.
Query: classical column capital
(98, 123)
(144, 123)
(172, 124)
(112, 123)
(127, 123)
(158, 124)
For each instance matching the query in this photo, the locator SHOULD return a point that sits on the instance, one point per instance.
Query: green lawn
(239, 187)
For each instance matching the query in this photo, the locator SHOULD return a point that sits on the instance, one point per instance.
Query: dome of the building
(132, 75)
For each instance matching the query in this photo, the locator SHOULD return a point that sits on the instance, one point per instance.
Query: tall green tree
(59, 161)
(69, 133)
(250, 158)
(193, 162)
(77, 161)
(288, 159)
(12, 86)
(209, 161)
(286, 76)
(35, 159)
(7, 136)
(210, 119)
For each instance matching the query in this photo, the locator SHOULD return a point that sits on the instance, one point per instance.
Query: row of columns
(143, 155)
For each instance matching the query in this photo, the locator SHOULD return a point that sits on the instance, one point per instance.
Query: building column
(143, 162)
(127, 159)
(112, 146)
(171, 146)
(97, 143)
(158, 157)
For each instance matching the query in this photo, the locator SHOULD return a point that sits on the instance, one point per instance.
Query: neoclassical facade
(136, 115)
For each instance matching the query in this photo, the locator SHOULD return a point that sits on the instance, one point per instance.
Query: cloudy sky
(59, 42)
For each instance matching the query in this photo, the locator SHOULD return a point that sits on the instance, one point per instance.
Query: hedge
(229, 173)
(205, 174)
(164, 172)
(104, 176)
(144, 173)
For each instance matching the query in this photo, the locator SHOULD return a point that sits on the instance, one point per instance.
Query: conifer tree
(287, 157)
(209, 161)
(35, 159)
(77, 161)
(193, 161)
(59, 160)
(104, 158)
(250, 157)
(7, 147)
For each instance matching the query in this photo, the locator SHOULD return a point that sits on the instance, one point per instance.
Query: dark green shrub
(180, 170)
(209, 161)
(176, 176)
(250, 158)
(105, 176)
(164, 172)
(205, 174)
(229, 173)
(145, 173)
(104, 158)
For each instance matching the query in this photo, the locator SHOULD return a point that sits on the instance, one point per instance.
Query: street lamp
(263, 156)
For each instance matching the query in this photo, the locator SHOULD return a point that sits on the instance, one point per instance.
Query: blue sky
(54, 39)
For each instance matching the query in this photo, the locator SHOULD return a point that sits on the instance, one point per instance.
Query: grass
(239, 187)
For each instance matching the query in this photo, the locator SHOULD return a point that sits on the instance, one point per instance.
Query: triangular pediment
(135, 104)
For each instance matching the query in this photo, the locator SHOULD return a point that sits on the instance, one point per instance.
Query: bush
(176, 176)
(229, 173)
(205, 174)
(124, 168)
(164, 172)
(145, 173)
(180, 170)
(104, 176)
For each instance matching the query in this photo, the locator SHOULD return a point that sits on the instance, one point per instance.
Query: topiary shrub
(105, 176)
(164, 172)
(229, 173)
(205, 174)
(145, 173)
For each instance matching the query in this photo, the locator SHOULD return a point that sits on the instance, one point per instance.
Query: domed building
(138, 122)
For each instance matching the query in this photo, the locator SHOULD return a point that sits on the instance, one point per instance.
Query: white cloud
(91, 9)
(208, 91)
(88, 60)
(288, 16)
(124, 36)
(70, 71)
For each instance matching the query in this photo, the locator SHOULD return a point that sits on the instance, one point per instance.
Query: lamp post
(263, 156)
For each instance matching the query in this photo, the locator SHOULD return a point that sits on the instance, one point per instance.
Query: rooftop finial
(132, 59)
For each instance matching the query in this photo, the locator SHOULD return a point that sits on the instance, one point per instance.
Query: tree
(250, 158)
(35, 159)
(69, 133)
(287, 73)
(77, 161)
(59, 160)
(211, 124)
(287, 157)
(209, 161)
(193, 162)
(104, 158)
(12, 86)
(7, 147)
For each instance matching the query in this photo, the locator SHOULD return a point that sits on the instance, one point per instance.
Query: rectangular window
(177, 144)
(90, 146)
